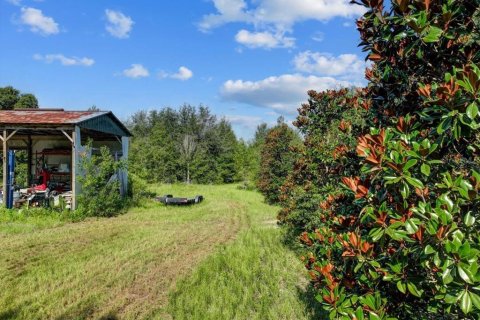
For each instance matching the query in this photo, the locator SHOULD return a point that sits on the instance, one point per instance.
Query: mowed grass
(222, 259)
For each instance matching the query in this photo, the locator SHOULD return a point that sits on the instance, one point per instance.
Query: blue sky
(248, 60)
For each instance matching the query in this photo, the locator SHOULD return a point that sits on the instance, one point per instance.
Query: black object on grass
(169, 199)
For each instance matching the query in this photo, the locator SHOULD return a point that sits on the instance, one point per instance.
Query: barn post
(5, 163)
(76, 149)
(125, 146)
(30, 160)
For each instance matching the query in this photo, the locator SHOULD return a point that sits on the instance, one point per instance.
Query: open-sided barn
(55, 139)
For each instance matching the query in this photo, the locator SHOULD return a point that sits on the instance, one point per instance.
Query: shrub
(401, 240)
(329, 126)
(100, 193)
(277, 158)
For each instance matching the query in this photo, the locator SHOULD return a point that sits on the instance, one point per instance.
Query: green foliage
(11, 98)
(399, 239)
(329, 125)
(158, 147)
(100, 188)
(26, 101)
(278, 154)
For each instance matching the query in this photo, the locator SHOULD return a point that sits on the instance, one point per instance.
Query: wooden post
(74, 171)
(30, 159)
(5, 166)
(125, 145)
(76, 150)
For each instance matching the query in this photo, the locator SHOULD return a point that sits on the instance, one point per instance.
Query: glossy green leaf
(466, 303)
(425, 168)
(472, 110)
(433, 34)
(469, 220)
(475, 299)
(401, 287)
(464, 274)
(414, 182)
(429, 250)
(410, 226)
(359, 313)
(409, 164)
(446, 276)
(414, 290)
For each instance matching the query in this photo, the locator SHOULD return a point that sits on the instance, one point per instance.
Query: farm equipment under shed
(169, 199)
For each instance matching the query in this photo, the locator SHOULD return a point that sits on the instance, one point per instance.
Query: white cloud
(248, 122)
(283, 93)
(347, 65)
(318, 36)
(38, 22)
(119, 25)
(265, 39)
(282, 14)
(228, 11)
(14, 2)
(136, 71)
(183, 74)
(66, 61)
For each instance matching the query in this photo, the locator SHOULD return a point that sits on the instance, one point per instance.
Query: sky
(250, 61)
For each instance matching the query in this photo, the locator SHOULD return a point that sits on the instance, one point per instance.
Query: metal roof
(102, 121)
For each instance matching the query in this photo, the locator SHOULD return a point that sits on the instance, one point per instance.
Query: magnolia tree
(401, 240)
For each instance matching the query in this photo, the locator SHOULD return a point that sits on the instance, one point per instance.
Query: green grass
(222, 259)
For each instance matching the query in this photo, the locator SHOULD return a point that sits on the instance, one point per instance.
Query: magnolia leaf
(464, 275)
(414, 290)
(425, 168)
(429, 250)
(466, 302)
(401, 287)
(409, 164)
(433, 34)
(472, 110)
(446, 276)
(469, 220)
(359, 313)
(475, 299)
(414, 182)
(446, 200)
(410, 226)
(374, 316)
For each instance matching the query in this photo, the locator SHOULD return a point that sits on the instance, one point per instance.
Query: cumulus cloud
(183, 74)
(65, 61)
(283, 93)
(347, 65)
(15, 2)
(38, 22)
(136, 71)
(281, 13)
(318, 36)
(248, 122)
(227, 11)
(119, 25)
(265, 39)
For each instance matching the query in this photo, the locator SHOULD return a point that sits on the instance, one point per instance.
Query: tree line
(190, 144)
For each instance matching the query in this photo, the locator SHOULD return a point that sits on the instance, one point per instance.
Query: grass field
(222, 259)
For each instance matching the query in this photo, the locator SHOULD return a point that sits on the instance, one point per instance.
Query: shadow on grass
(313, 308)
(9, 314)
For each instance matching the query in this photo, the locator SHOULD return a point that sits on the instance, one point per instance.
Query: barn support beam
(124, 173)
(76, 145)
(5, 166)
(5, 137)
(30, 160)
